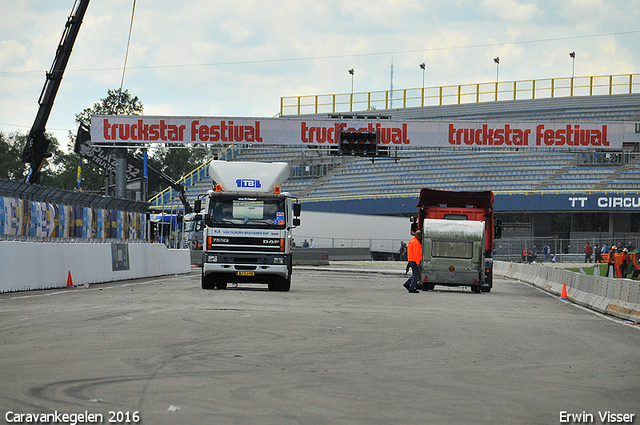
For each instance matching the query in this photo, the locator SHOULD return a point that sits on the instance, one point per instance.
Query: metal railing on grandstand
(312, 165)
(308, 164)
(164, 197)
(461, 94)
(606, 158)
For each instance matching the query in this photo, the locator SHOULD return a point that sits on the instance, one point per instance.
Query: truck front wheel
(208, 281)
(280, 284)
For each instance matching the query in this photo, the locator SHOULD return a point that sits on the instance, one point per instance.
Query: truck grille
(224, 243)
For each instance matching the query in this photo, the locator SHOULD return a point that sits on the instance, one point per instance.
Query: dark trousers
(415, 275)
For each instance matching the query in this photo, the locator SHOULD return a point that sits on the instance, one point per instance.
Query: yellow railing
(464, 93)
(159, 200)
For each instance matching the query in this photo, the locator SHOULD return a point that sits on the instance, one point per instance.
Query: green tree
(178, 159)
(175, 160)
(11, 165)
(117, 102)
(66, 173)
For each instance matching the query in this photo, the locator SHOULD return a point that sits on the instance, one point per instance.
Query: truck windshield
(253, 212)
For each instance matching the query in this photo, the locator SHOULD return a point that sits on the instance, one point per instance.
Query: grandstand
(541, 184)
(319, 176)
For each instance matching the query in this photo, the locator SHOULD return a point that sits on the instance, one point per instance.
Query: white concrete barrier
(618, 297)
(32, 265)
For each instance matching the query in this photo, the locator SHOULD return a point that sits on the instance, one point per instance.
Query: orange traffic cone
(69, 280)
(563, 295)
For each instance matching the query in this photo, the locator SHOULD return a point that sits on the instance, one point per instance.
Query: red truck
(458, 229)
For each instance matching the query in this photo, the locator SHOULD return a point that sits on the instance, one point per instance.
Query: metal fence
(38, 213)
(505, 249)
(565, 250)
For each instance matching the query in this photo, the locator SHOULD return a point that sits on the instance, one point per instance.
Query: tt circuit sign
(547, 202)
(605, 202)
(127, 130)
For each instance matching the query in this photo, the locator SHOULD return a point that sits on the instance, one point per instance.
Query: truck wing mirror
(197, 205)
(497, 230)
(296, 210)
(296, 221)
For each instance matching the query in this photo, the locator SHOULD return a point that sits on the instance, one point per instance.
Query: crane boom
(35, 151)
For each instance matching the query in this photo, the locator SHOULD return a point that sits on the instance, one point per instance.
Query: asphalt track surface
(344, 346)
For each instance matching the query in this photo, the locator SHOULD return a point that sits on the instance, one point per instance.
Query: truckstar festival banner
(127, 130)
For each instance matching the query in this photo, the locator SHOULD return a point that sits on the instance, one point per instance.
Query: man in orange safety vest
(414, 255)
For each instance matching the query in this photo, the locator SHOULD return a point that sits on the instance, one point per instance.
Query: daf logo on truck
(256, 219)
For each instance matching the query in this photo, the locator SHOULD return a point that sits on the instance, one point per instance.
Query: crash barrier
(617, 297)
(307, 256)
(348, 254)
(196, 257)
(32, 265)
(310, 257)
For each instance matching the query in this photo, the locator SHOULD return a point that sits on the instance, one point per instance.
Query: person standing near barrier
(545, 253)
(414, 255)
(588, 250)
(624, 262)
(598, 254)
(611, 262)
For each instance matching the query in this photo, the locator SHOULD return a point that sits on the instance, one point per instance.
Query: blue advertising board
(571, 202)
(503, 202)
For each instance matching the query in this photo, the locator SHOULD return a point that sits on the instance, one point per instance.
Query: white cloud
(237, 58)
(511, 10)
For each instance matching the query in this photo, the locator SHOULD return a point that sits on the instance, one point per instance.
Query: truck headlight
(212, 258)
(278, 260)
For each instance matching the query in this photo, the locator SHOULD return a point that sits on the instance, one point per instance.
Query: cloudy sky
(239, 57)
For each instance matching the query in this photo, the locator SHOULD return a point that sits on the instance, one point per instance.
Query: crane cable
(126, 56)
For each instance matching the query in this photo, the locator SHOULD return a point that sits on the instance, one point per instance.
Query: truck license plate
(245, 273)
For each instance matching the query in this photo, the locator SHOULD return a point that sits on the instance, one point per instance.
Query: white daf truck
(248, 223)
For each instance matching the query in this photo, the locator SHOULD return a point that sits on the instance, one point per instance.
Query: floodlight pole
(497, 61)
(423, 66)
(573, 65)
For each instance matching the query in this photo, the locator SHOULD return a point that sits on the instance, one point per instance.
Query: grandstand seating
(408, 170)
(413, 169)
